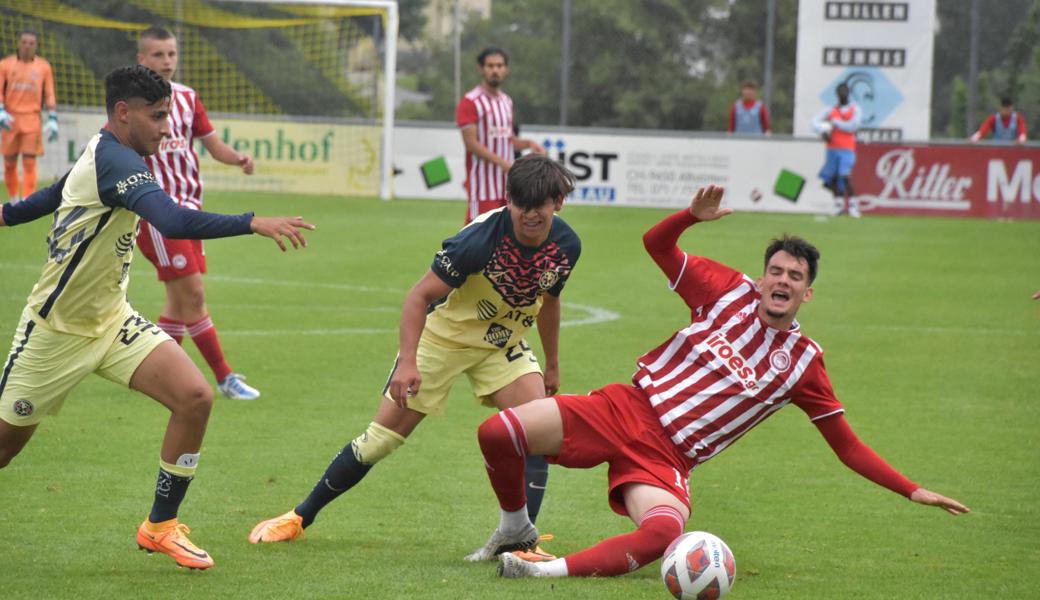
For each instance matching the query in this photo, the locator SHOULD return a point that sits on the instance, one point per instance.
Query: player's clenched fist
(278, 227)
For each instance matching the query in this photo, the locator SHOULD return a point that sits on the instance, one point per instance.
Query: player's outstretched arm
(862, 459)
(278, 227)
(176, 222)
(929, 498)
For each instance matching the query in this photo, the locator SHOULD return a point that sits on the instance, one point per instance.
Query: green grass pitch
(931, 340)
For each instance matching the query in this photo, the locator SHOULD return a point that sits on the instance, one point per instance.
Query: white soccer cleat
(499, 543)
(854, 210)
(514, 567)
(234, 387)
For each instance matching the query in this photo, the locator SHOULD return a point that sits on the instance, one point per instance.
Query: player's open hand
(1036, 296)
(705, 205)
(923, 496)
(278, 227)
(404, 383)
(246, 162)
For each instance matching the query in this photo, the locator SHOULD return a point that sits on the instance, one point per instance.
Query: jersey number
(524, 350)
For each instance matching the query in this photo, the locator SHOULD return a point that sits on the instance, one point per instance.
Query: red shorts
(173, 259)
(617, 426)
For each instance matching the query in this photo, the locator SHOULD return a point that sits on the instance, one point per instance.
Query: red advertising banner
(983, 181)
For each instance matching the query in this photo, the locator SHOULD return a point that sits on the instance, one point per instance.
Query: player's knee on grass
(375, 444)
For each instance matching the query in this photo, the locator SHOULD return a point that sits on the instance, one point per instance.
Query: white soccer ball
(698, 566)
(825, 128)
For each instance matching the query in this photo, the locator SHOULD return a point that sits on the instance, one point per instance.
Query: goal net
(306, 86)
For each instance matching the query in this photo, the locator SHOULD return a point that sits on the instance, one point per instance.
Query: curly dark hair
(137, 81)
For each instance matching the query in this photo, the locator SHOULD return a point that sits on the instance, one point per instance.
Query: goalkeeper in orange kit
(26, 86)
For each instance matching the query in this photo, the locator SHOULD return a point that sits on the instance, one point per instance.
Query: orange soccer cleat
(536, 554)
(170, 538)
(283, 528)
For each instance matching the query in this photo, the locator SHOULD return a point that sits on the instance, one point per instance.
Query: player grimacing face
(494, 70)
(159, 56)
(784, 287)
(147, 124)
(27, 46)
(531, 226)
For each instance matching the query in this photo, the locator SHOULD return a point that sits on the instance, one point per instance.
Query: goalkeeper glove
(51, 127)
(6, 120)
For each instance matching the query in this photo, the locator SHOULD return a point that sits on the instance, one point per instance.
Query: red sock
(204, 335)
(625, 553)
(173, 328)
(504, 444)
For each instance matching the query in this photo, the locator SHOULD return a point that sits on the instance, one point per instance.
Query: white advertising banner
(613, 168)
(637, 169)
(882, 50)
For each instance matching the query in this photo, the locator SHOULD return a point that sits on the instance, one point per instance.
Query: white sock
(553, 568)
(515, 521)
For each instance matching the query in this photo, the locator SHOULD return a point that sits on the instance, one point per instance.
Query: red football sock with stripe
(174, 328)
(204, 335)
(504, 445)
(624, 553)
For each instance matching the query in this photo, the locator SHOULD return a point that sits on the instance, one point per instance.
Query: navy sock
(169, 493)
(343, 473)
(536, 474)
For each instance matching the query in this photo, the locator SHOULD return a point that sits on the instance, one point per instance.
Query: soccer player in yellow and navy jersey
(77, 320)
(469, 313)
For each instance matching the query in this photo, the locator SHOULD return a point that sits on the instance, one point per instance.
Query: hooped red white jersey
(492, 115)
(176, 165)
(726, 372)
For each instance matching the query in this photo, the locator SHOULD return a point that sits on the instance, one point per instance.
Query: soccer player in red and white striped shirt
(485, 116)
(181, 263)
(742, 358)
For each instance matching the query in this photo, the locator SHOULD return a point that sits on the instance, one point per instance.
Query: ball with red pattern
(698, 566)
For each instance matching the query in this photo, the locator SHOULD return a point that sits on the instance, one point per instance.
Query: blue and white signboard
(881, 49)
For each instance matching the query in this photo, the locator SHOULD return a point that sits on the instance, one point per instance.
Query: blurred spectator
(1006, 124)
(748, 115)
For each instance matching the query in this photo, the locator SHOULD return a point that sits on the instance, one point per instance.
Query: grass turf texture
(931, 341)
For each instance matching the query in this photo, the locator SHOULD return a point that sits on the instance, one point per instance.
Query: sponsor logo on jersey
(23, 408)
(131, 182)
(173, 145)
(498, 335)
(486, 309)
(124, 244)
(727, 355)
(780, 360)
(445, 263)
